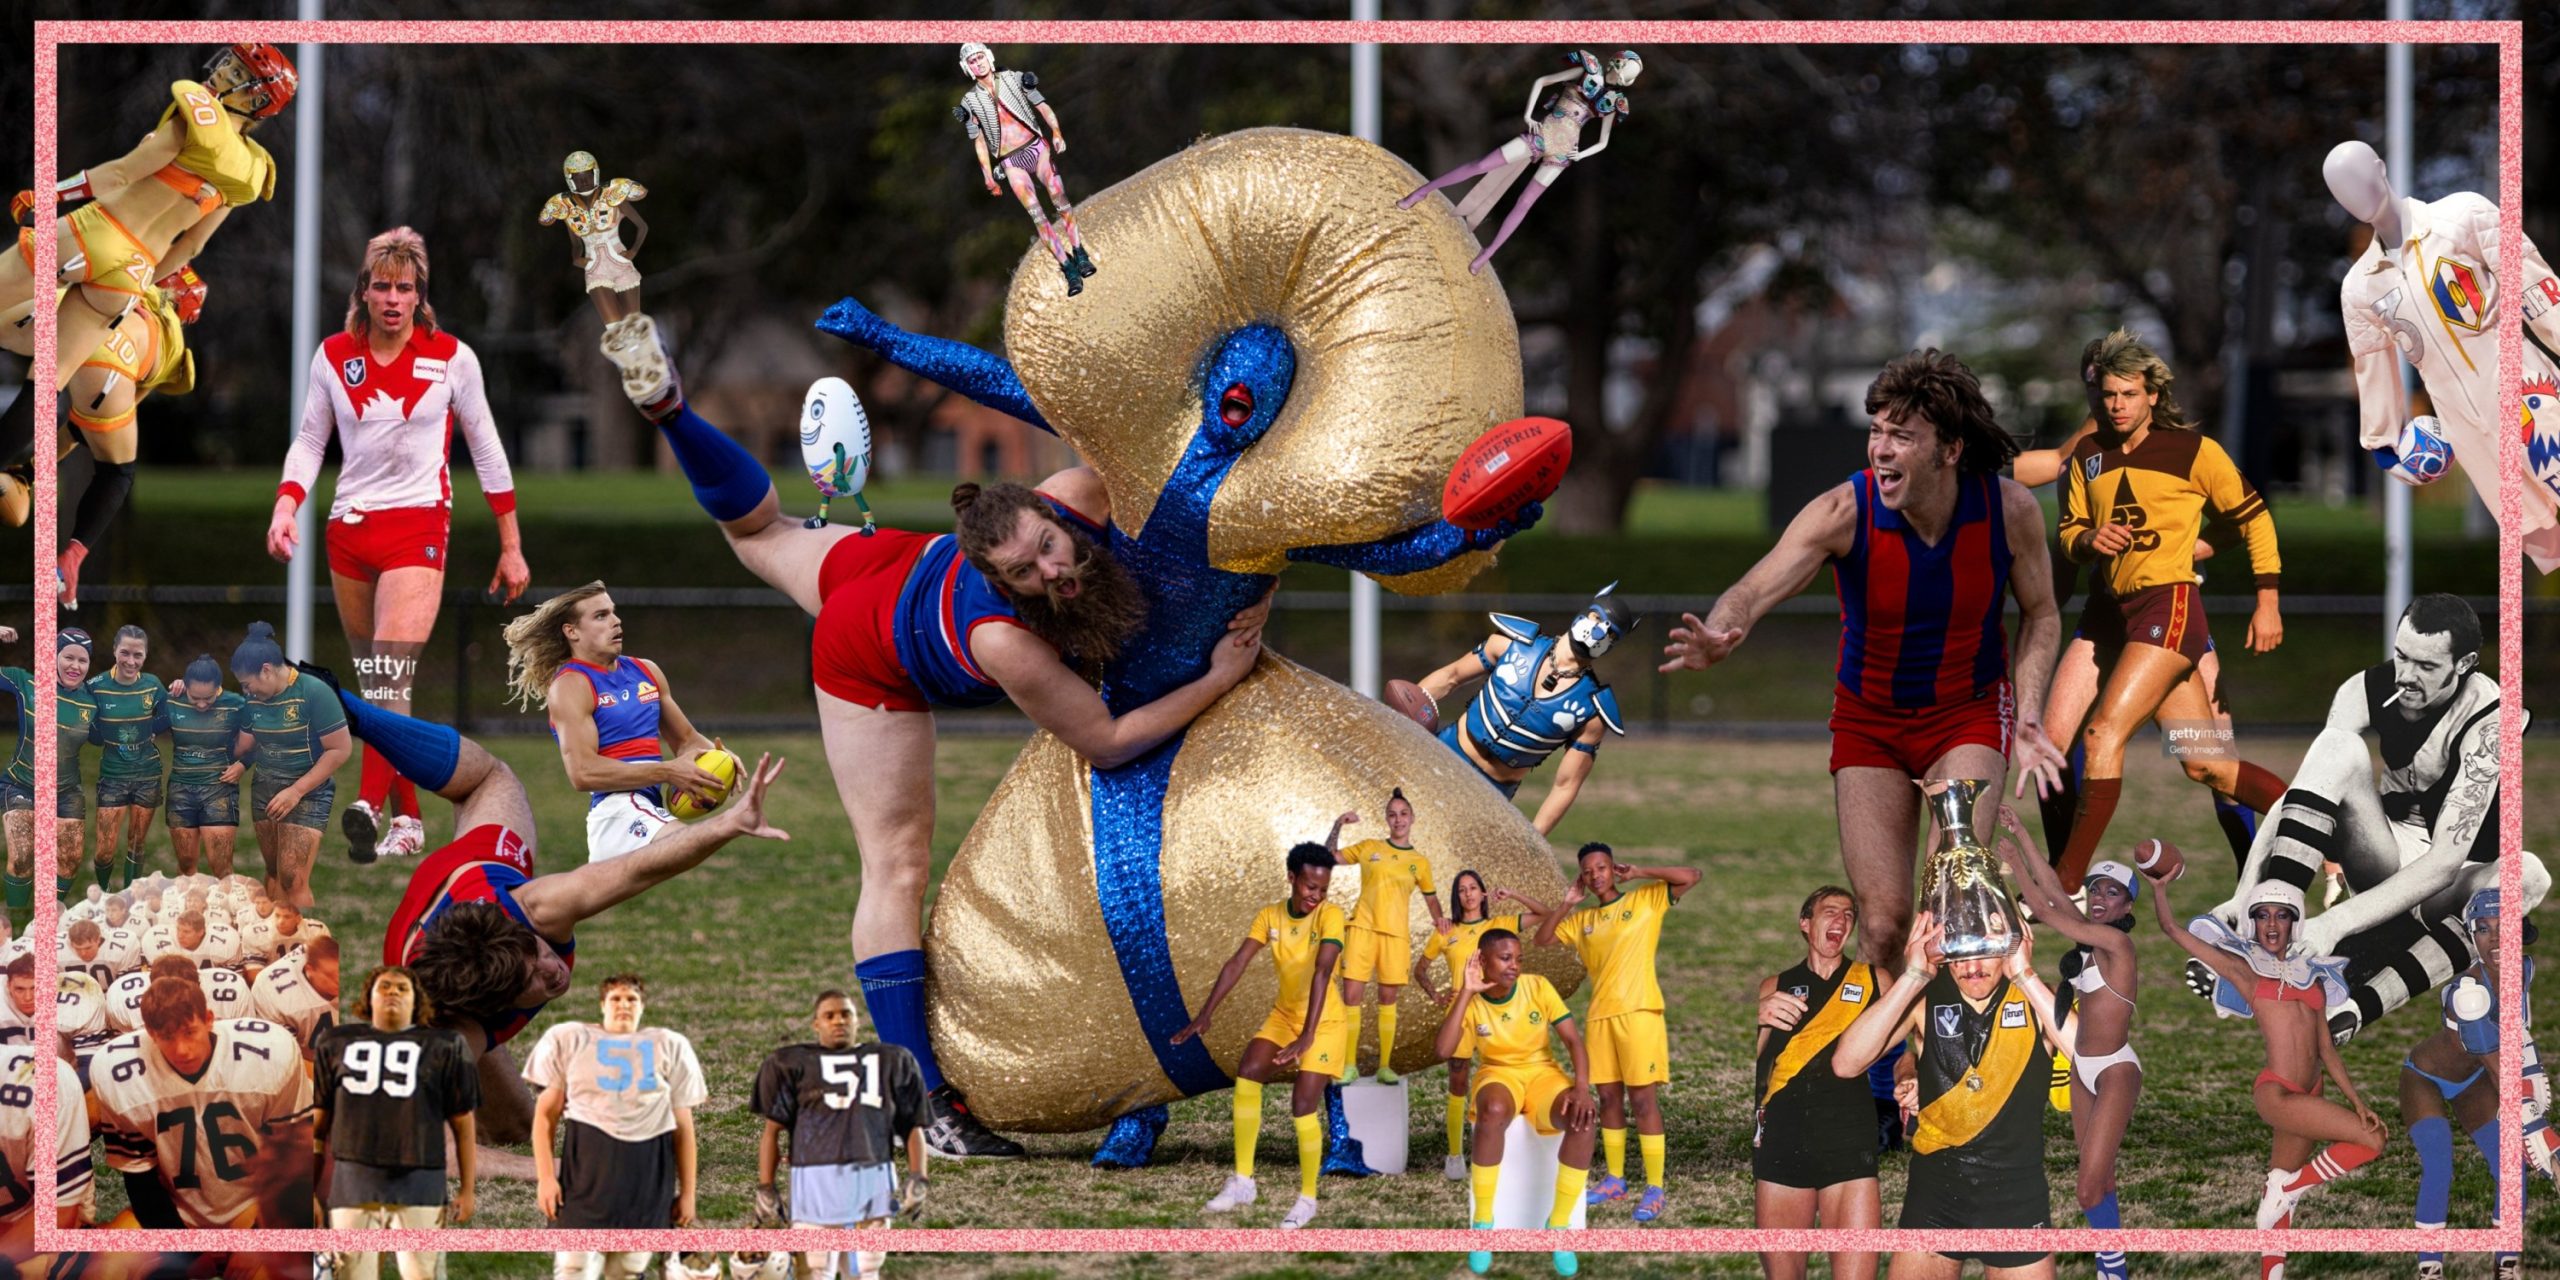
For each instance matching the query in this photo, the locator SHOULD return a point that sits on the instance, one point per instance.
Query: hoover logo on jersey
(2460, 296)
(353, 371)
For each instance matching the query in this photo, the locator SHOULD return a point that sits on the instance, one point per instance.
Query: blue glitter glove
(1422, 547)
(976, 374)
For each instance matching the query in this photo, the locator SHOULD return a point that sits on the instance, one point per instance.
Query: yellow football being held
(719, 764)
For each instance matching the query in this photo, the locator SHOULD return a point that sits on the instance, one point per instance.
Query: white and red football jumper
(395, 423)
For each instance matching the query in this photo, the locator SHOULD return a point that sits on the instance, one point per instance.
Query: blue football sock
(2104, 1217)
(727, 480)
(422, 751)
(893, 985)
(2239, 826)
(2434, 1141)
(2486, 1138)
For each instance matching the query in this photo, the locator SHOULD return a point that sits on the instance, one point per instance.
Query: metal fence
(739, 658)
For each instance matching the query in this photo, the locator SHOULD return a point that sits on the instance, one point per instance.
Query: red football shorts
(853, 653)
(364, 545)
(2170, 617)
(1866, 736)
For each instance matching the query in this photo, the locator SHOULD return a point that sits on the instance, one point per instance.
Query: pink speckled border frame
(2507, 36)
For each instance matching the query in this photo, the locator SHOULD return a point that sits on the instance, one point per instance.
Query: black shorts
(139, 792)
(1947, 1192)
(609, 1183)
(1791, 1149)
(204, 804)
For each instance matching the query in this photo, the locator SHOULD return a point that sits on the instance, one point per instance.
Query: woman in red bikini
(2277, 982)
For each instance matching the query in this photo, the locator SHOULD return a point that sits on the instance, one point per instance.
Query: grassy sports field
(736, 948)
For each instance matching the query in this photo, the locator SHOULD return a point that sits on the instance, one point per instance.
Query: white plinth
(1527, 1190)
(1381, 1123)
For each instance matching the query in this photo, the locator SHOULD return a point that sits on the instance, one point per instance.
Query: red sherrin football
(1520, 462)
(2159, 860)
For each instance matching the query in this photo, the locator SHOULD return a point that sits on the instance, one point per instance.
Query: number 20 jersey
(854, 1105)
(390, 1094)
(198, 1132)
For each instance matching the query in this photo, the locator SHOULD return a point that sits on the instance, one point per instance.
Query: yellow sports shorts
(1533, 1089)
(1630, 1049)
(112, 257)
(1324, 1057)
(1383, 958)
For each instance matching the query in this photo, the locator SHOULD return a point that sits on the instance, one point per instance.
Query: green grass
(735, 948)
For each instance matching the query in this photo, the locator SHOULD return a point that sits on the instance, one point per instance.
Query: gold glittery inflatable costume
(1084, 911)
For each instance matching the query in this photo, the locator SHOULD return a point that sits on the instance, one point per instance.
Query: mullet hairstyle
(473, 960)
(536, 649)
(1933, 384)
(2126, 356)
(398, 247)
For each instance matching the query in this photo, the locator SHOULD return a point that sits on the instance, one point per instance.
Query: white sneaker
(2275, 1209)
(631, 343)
(1238, 1193)
(408, 836)
(1300, 1214)
(1454, 1168)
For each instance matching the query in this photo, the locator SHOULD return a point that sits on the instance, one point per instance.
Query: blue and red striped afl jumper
(626, 716)
(1921, 625)
(488, 863)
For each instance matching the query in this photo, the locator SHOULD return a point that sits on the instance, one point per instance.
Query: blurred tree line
(2177, 181)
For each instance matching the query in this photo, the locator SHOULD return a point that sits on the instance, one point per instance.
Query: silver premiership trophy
(1960, 884)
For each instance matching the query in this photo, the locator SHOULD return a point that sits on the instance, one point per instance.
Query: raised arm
(1824, 529)
(2228, 967)
(1474, 664)
(554, 904)
(1896, 1014)
(985, 378)
(100, 181)
(2042, 889)
(1059, 700)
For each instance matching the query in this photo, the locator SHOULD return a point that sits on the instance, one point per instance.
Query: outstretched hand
(855, 323)
(2033, 755)
(1695, 647)
(748, 814)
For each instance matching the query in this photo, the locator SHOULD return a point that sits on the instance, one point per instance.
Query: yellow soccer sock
(1484, 1178)
(1310, 1152)
(1569, 1184)
(1457, 1125)
(1651, 1145)
(1351, 1042)
(1248, 1125)
(1386, 1035)
(1613, 1147)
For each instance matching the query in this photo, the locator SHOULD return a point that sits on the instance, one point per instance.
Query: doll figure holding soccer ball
(2429, 291)
(1552, 141)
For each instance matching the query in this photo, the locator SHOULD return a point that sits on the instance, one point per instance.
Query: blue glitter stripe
(1128, 822)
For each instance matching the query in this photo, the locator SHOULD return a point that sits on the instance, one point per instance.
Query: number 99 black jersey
(854, 1105)
(389, 1094)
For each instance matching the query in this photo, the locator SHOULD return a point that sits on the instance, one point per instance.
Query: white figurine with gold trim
(594, 211)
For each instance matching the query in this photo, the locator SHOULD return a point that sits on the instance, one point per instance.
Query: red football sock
(404, 797)
(2088, 826)
(2258, 789)
(2338, 1160)
(375, 783)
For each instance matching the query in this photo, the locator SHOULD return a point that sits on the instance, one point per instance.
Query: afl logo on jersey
(1949, 1019)
(353, 371)
(2091, 465)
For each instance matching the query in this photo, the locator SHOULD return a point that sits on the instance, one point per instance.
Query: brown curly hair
(1935, 385)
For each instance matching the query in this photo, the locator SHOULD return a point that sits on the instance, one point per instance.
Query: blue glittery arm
(1422, 547)
(976, 374)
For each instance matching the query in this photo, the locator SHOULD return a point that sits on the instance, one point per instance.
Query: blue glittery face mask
(1244, 385)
